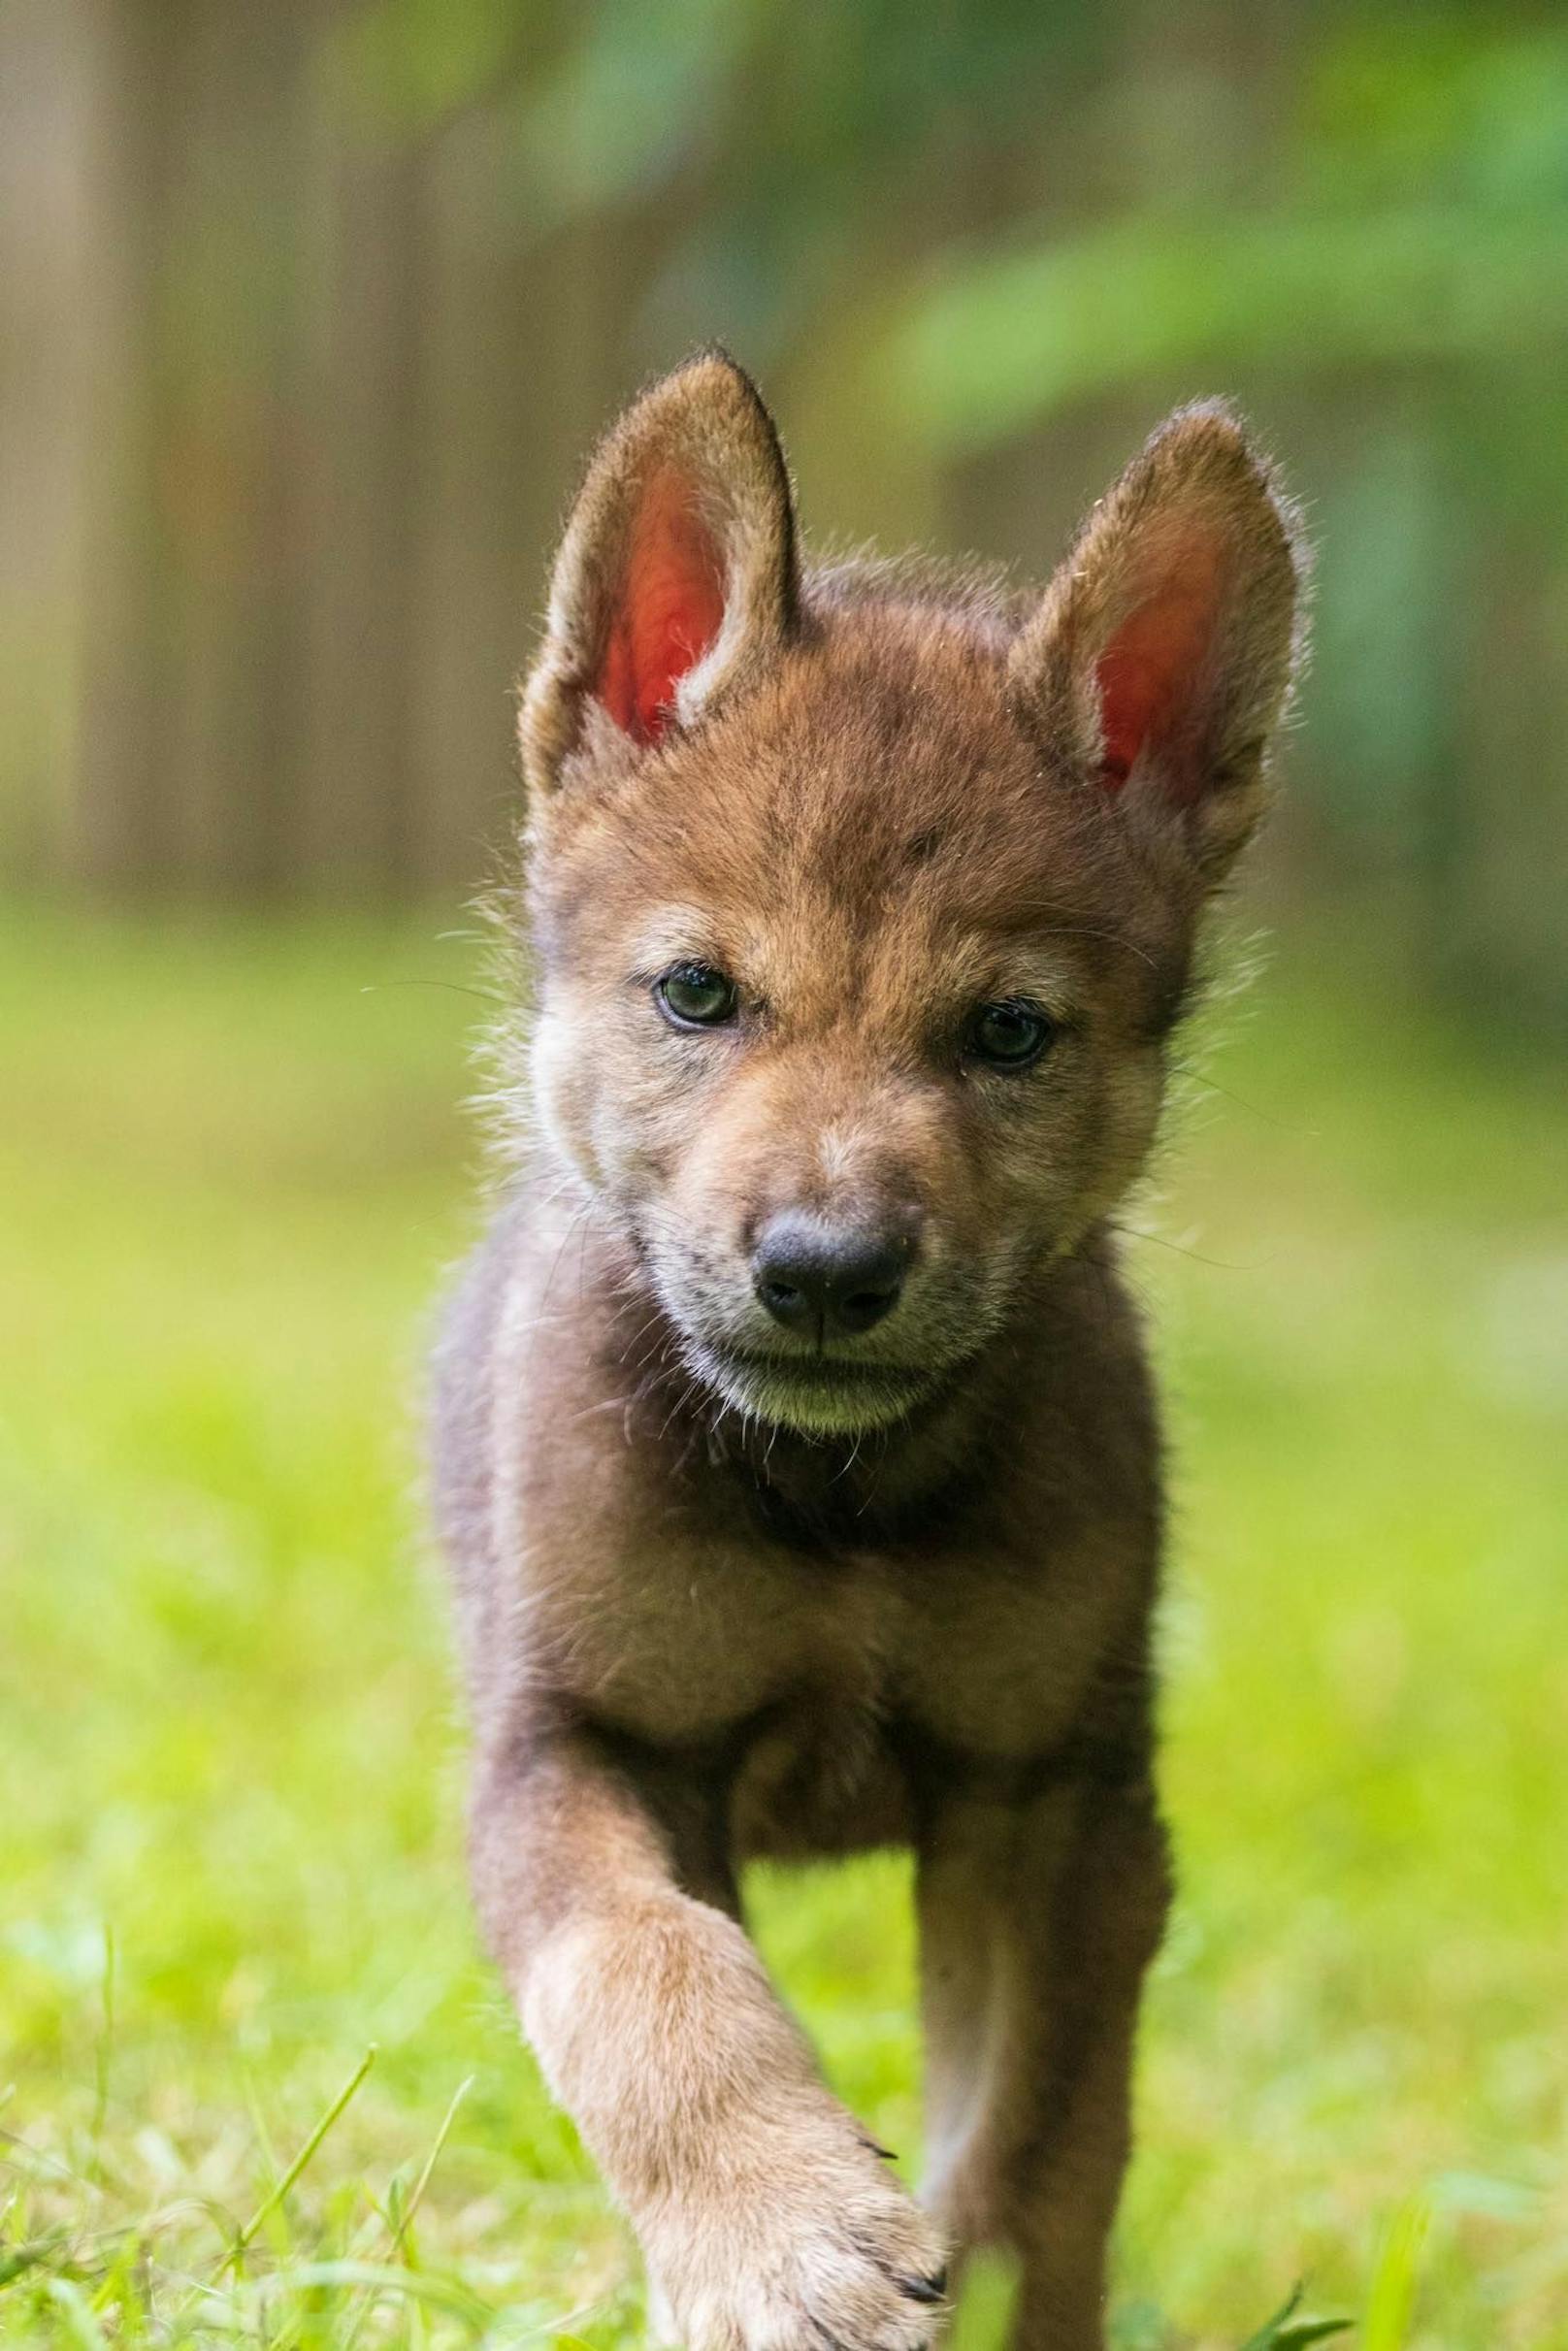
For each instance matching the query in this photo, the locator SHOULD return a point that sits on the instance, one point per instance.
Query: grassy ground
(230, 1168)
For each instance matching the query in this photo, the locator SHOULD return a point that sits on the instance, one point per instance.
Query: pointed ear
(1161, 655)
(676, 579)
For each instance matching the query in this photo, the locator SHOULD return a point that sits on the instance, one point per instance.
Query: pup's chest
(984, 1697)
(829, 1676)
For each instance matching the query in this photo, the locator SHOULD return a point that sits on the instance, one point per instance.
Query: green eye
(1010, 1036)
(693, 996)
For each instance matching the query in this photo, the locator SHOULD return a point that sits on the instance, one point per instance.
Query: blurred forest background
(310, 309)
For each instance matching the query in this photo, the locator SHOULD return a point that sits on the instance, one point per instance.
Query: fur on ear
(676, 580)
(1162, 653)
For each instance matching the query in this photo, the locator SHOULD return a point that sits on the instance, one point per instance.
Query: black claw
(925, 2289)
(877, 2148)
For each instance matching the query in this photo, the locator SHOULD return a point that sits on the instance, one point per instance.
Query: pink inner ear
(670, 610)
(1151, 672)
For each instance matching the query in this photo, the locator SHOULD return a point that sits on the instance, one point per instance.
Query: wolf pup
(797, 1458)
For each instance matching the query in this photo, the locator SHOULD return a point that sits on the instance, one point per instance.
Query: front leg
(1038, 1919)
(768, 2219)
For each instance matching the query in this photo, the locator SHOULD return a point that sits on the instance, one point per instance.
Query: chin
(813, 1398)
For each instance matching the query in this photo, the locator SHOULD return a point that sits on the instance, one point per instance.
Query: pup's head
(865, 905)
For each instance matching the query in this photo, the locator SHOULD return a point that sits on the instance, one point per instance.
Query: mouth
(819, 1396)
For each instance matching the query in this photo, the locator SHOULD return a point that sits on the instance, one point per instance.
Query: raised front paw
(806, 2246)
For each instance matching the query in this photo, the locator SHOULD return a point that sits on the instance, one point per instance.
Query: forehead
(877, 805)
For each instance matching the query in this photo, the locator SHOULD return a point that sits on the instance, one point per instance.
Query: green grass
(231, 1168)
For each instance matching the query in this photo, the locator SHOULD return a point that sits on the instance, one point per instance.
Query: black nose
(839, 1279)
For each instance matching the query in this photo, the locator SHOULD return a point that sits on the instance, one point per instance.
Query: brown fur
(727, 1590)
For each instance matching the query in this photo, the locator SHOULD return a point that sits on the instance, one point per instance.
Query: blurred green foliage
(352, 284)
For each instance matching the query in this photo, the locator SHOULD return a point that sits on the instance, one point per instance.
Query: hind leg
(1037, 1922)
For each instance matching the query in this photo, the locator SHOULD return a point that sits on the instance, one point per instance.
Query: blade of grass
(417, 2193)
(22, 2258)
(25, 2153)
(400, 2212)
(419, 2285)
(271, 2203)
(81, 2324)
(1393, 2298)
(513, 2328)
(1268, 2334)
(1285, 2332)
(103, 2056)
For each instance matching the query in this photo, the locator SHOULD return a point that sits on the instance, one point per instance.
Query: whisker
(1139, 1232)
(480, 996)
